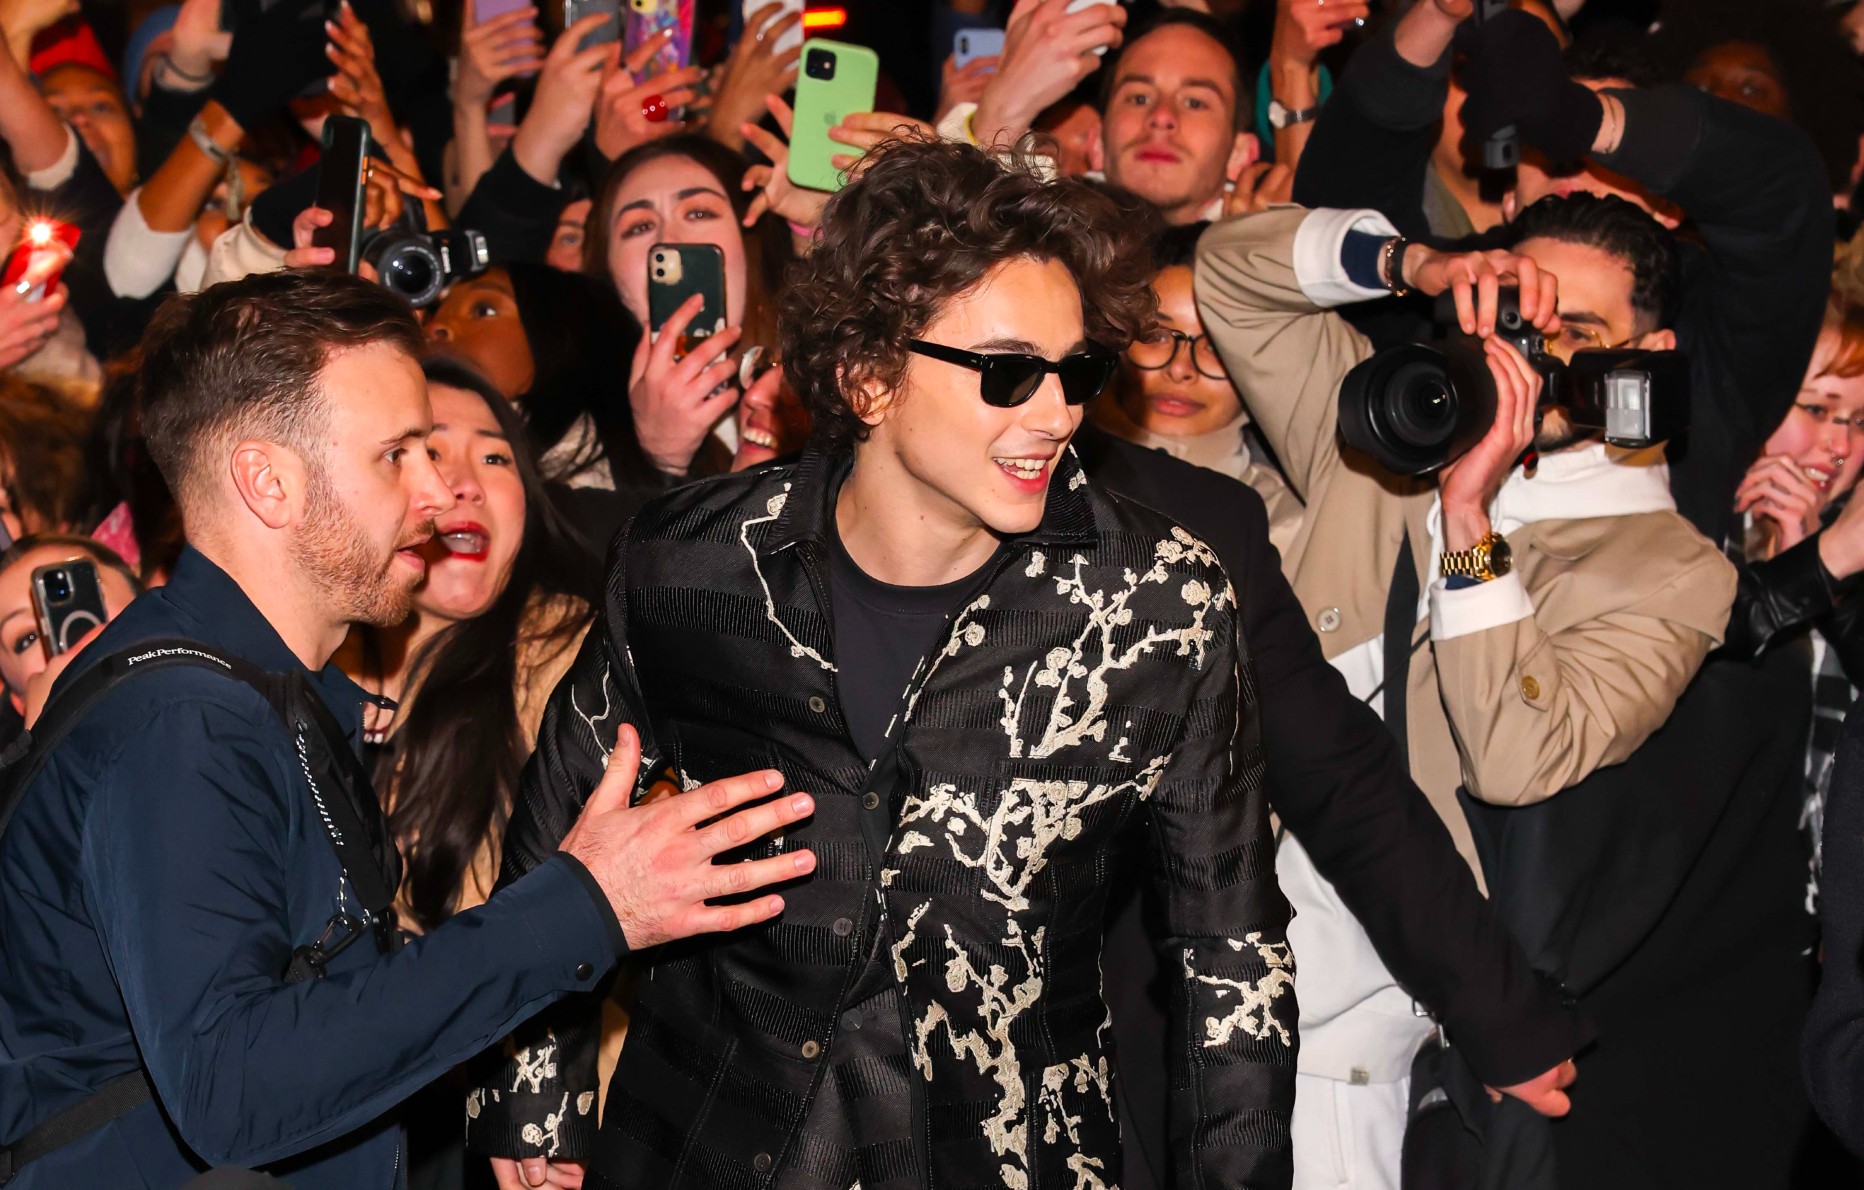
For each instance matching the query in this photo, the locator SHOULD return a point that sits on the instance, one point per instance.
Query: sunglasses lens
(1083, 376)
(1009, 380)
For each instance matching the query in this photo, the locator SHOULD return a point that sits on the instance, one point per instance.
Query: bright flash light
(824, 18)
(40, 233)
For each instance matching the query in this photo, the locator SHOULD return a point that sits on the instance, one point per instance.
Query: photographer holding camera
(1535, 626)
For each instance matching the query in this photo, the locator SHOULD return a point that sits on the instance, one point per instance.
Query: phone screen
(339, 188)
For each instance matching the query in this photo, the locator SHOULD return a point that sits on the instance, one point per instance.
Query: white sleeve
(59, 172)
(1317, 266)
(240, 252)
(138, 259)
(1468, 610)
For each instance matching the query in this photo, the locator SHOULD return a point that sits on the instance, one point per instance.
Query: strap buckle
(308, 962)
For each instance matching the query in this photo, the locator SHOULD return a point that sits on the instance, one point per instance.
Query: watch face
(1278, 115)
(1501, 558)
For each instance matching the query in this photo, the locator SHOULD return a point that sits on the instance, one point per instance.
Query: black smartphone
(339, 188)
(69, 601)
(674, 273)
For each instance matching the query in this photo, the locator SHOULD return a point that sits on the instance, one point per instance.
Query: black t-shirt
(881, 632)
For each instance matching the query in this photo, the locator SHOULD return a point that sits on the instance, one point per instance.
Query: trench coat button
(843, 927)
(812, 1049)
(816, 704)
(870, 800)
(762, 1163)
(851, 1020)
(1328, 620)
(1530, 689)
(584, 971)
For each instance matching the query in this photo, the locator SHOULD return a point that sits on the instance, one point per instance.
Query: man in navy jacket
(166, 862)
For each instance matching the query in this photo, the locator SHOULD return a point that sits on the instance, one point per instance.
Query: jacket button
(851, 1020)
(1329, 619)
(816, 704)
(812, 1050)
(870, 800)
(584, 971)
(843, 927)
(1530, 689)
(762, 1163)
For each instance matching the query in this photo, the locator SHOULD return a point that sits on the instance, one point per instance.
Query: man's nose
(433, 494)
(1047, 412)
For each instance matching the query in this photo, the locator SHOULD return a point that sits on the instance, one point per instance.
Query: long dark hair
(582, 342)
(767, 252)
(450, 779)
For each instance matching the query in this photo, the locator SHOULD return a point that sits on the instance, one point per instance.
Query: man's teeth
(1024, 468)
(464, 542)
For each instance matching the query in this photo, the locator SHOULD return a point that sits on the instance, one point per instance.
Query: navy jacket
(153, 883)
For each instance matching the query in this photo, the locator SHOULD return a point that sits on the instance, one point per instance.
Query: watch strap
(1473, 562)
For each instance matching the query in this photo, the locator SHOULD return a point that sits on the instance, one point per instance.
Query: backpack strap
(76, 1122)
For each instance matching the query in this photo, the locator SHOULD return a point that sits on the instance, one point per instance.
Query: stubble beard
(338, 558)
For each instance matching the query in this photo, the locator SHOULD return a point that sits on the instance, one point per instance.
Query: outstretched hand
(1545, 1093)
(655, 862)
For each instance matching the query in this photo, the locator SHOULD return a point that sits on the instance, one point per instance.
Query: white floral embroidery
(584, 1102)
(774, 507)
(550, 1134)
(1254, 1011)
(535, 1063)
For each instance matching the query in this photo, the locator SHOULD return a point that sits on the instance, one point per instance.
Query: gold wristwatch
(1489, 559)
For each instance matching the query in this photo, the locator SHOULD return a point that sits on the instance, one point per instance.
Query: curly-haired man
(1005, 688)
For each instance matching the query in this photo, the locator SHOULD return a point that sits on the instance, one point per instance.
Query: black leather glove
(1514, 75)
(277, 53)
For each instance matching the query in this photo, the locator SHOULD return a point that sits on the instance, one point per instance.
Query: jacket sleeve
(1335, 777)
(1285, 349)
(1777, 597)
(1224, 932)
(519, 1092)
(250, 1069)
(1534, 712)
(515, 212)
(1372, 142)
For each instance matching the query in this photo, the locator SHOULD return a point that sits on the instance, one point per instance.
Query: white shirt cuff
(59, 172)
(1494, 604)
(1317, 267)
(957, 124)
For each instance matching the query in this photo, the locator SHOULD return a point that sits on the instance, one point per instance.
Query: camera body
(1417, 408)
(419, 264)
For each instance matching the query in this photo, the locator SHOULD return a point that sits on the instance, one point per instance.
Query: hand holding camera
(1470, 484)
(1516, 78)
(1475, 281)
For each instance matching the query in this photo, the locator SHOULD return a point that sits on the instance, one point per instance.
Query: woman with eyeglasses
(1174, 394)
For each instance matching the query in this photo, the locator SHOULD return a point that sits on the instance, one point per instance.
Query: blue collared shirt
(153, 883)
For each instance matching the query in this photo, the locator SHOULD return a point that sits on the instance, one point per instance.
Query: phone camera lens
(821, 64)
(58, 586)
(660, 274)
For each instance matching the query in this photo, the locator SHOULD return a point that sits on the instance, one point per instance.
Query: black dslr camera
(1419, 407)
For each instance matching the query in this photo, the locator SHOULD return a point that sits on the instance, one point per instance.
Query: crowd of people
(1264, 594)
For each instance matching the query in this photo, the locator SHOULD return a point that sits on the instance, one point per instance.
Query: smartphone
(968, 45)
(39, 259)
(674, 273)
(836, 81)
(576, 10)
(69, 601)
(646, 19)
(1078, 5)
(485, 10)
(788, 41)
(339, 188)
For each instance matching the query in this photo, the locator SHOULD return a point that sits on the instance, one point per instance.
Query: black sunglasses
(1009, 378)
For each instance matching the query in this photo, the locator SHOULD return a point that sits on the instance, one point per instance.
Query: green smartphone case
(821, 103)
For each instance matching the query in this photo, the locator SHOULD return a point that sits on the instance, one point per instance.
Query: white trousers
(1347, 1136)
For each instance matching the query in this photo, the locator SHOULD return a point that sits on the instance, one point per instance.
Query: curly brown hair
(924, 224)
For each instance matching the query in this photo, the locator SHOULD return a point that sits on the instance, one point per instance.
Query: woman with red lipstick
(1175, 395)
(496, 622)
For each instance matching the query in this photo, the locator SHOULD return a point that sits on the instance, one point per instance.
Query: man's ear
(1097, 145)
(1245, 151)
(1663, 340)
(271, 481)
(868, 399)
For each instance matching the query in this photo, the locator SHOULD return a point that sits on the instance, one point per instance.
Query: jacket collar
(1069, 518)
(223, 615)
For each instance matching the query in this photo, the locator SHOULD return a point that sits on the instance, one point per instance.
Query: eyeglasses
(1007, 379)
(1158, 349)
(1575, 337)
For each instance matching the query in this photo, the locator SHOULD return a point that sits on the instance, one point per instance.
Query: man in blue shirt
(162, 867)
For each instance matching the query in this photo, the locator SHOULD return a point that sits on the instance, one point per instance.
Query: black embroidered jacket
(1089, 718)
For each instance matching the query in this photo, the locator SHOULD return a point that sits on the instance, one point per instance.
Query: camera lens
(820, 64)
(58, 586)
(1421, 410)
